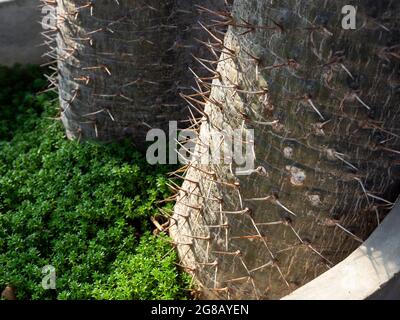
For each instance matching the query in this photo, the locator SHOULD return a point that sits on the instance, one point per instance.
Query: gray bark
(324, 106)
(123, 63)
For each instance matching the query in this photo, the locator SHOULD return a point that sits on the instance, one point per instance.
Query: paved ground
(20, 32)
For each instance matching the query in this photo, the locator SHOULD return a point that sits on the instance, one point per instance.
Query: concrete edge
(370, 272)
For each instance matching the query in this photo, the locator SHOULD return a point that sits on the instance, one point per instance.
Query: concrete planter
(370, 272)
(20, 29)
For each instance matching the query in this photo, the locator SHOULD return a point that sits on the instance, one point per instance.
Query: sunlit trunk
(323, 102)
(122, 64)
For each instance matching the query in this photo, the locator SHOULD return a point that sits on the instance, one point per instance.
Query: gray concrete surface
(371, 272)
(20, 32)
(389, 291)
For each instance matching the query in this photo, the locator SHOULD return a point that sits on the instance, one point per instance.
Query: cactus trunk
(121, 65)
(323, 102)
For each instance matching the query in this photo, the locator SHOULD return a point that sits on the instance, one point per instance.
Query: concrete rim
(370, 272)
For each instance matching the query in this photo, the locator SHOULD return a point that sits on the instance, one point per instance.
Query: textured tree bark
(324, 106)
(122, 64)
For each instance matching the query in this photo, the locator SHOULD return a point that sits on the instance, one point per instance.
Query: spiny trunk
(123, 63)
(324, 106)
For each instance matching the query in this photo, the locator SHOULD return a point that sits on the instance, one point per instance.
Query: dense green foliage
(83, 208)
(18, 103)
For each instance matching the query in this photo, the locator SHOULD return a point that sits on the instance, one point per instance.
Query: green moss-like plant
(83, 208)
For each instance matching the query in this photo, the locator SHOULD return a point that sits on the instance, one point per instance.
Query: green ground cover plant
(83, 208)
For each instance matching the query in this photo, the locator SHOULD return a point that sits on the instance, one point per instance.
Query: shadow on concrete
(20, 32)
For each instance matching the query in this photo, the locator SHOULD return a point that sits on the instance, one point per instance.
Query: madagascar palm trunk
(123, 63)
(323, 102)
